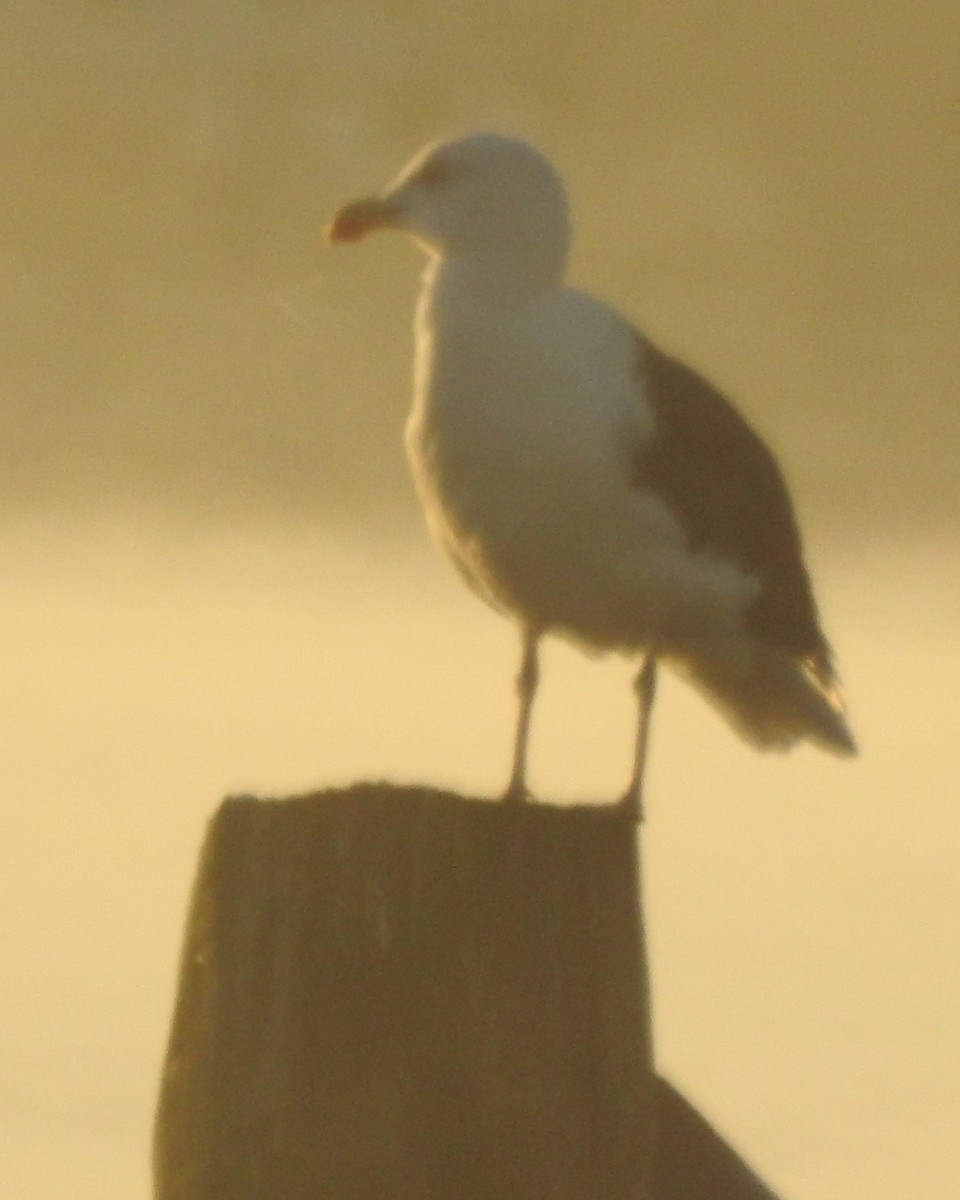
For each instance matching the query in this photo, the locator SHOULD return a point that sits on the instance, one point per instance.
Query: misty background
(214, 576)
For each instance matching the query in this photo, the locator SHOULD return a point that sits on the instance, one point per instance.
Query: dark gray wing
(725, 486)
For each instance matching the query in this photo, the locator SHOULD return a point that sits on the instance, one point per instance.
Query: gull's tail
(776, 701)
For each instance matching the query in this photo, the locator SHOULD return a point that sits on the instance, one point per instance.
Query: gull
(581, 479)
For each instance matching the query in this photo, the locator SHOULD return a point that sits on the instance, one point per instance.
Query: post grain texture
(399, 994)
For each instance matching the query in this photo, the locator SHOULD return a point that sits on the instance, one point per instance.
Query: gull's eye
(433, 173)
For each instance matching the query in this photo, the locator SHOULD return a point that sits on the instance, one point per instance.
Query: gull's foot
(630, 805)
(516, 793)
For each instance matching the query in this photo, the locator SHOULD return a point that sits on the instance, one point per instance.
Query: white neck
(483, 284)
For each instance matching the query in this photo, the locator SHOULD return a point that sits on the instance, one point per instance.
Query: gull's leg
(527, 679)
(645, 686)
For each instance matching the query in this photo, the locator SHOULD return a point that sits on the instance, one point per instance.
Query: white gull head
(483, 193)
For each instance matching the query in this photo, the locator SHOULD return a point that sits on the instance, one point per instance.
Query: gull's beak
(360, 217)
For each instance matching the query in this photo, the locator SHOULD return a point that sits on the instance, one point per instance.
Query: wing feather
(724, 484)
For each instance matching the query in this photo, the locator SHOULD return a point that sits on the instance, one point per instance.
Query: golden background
(214, 576)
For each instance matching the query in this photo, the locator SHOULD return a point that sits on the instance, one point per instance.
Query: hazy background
(214, 577)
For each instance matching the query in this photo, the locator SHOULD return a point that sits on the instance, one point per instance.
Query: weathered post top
(401, 994)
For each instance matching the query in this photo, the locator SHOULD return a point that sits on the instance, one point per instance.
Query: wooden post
(399, 994)
(691, 1161)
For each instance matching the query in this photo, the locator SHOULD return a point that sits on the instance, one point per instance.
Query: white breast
(527, 411)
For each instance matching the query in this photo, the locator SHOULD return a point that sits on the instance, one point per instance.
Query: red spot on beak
(359, 218)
